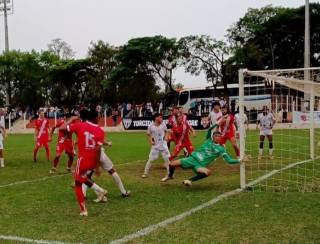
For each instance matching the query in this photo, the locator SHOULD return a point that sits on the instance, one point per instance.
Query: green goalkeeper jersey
(210, 151)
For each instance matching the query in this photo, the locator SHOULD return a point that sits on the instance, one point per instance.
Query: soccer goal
(279, 112)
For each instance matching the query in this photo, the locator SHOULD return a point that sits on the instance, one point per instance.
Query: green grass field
(47, 209)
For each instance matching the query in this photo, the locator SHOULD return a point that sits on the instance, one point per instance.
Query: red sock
(56, 161)
(47, 153)
(35, 151)
(70, 161)
(80, 196)
(236, 149)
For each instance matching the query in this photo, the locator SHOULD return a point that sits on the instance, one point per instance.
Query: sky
(35, 23)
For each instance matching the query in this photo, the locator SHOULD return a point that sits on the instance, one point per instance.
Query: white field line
(147, 230)
(56, 176)
(21, 239)
(31, 181)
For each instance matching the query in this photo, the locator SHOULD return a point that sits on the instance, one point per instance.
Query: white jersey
(266, 121)
(158, 134)
(215, 116)
(1, 135)
(238, 121)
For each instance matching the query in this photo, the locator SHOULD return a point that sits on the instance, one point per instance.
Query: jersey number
(90, 143)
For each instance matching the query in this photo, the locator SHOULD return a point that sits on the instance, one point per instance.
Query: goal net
(280, 141)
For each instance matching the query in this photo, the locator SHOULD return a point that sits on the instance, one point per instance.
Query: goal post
(293, 161)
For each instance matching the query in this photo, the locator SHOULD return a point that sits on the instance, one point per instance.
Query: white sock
(84, 189)
(147, 167)
(260, 151)
(97, 188)
(2, 162)
(270, 151)
(119, 183)
(166, 163)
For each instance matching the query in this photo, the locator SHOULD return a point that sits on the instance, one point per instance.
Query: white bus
(255, 96)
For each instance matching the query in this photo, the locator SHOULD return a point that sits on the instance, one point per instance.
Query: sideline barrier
(142, 123)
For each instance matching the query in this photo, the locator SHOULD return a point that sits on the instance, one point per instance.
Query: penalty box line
(55, 176)
(147, 230)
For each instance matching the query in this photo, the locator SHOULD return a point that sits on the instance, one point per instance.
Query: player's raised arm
(208, 136)
(64, 127)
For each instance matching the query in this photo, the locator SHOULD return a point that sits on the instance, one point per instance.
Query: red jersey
(42, 125)
(181, 133)
(172, 121)
(89, 137)
(230, 130)
(63, 136)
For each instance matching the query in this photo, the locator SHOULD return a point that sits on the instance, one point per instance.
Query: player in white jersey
(215, 114)
(107, 166)
(2, 136)
(157, 136)
(245, 122)
(266, 122)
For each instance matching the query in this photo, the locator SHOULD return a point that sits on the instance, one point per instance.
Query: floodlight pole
(6, 32)
(6, 25)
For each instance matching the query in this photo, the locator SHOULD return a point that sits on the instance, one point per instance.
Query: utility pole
(5, 10)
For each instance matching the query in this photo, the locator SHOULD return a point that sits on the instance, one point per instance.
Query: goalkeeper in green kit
(201, 158)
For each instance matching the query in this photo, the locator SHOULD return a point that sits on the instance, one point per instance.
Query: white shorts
(106, 162)
(267, 132)
(1, 145)
(154, 153)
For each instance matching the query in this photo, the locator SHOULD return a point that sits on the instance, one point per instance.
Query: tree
(157, 56)
(102, 57)
(273, 38)
(61, 49)
(205, 54)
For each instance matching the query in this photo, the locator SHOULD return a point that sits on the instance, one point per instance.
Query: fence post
(25, 120)
(55, 118)
(9, 121)
(105, 118)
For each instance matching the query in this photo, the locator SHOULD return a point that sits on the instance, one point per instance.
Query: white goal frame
(306, 85)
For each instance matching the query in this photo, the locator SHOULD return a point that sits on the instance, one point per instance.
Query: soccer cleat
(166, 178)
(144, 176)
(68, 170)
(53, 171)
(127, 194)
(101, 197)
(271, 157)
(101, 200)
(84, 213)
(259, 157)
(187, 182)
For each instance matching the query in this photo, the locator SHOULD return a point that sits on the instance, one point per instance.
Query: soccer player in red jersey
(41, 136)
(228, 129)
(90, 141)
(181, 132)
(172, 121)
(64, 144)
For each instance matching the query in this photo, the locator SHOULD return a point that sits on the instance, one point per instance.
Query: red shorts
(226, 138)
(83, 166)
(65, 146)
(42, 142)
(178, 149)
